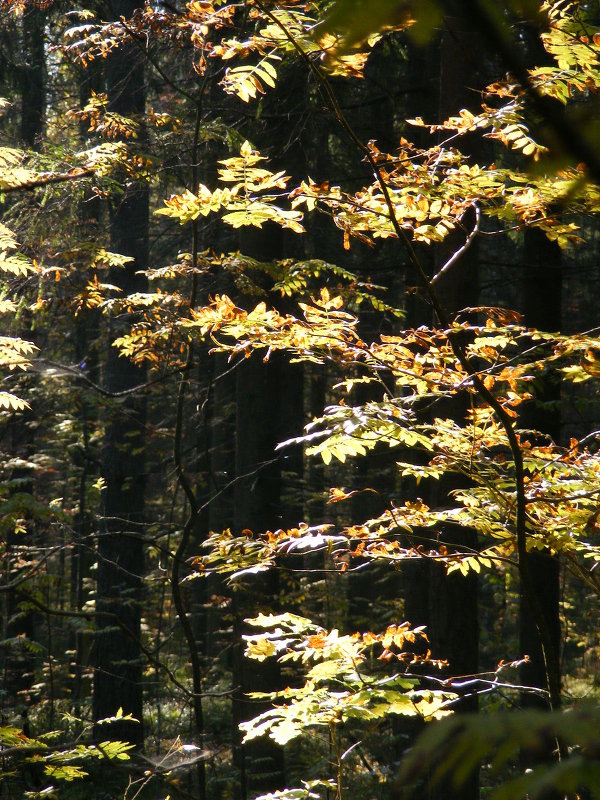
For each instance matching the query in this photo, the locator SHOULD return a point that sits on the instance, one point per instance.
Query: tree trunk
(87, 357)
(542, 304)
(18, 660)
(256, 508)
(33, 76)
(118, 663)
(453, 615)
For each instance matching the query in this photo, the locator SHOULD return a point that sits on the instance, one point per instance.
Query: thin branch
(78, 374)
(187, 489)
(50, 178)
(458, 254)
(140, 43)
(109, 616)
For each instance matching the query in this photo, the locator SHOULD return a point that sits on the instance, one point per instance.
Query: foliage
(59, 763)
(421, 365)
(338, 687)
(397, 391)
(458, 745)
(244, 202)
(14, 351)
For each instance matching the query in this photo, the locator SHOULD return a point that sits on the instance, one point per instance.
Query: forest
(299, 360)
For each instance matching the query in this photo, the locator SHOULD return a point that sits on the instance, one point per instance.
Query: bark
(256, 508)
(542, 306)
(118, 663)
(269, 409)
(33, 77)
(453, 599)
(85, 457)
(424, 75)
(18, 660)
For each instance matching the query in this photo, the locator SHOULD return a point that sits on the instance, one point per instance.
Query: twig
(458, 254)
(50, 178)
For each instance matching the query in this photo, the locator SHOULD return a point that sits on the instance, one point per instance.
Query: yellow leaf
(260, 649)
(10, 401)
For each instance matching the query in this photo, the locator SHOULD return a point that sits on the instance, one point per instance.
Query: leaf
(358, 21)
(12, 403)
(108, 259)
(260, 649)
(64, 772)
(289, 794)
(291, 622)
(115, 749)
(119, 716)
(458, 745)
(324, 671)
(247, 80)
(7, 306)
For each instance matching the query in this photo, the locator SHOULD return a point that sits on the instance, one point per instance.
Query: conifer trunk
(118, 664)
(18, 662)
(453, 615)
(33, 76)
(542, 306)
(256, 509)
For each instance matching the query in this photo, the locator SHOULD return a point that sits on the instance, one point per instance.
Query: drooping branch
(47, 179)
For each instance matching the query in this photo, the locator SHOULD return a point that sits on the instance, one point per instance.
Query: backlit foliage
(339, 685)
(520, 491)
(420, 365)
(248, 201)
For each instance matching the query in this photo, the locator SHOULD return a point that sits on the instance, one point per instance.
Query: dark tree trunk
(423, 73)
(87, 357)
(542, 305)
(33, 76)
(256, 508)
(453, 616)
(118, 663)
(220, 481)
(267, 493)
(18, 660)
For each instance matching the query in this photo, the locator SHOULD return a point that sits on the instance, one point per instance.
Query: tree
(31, 75)
(117, 657)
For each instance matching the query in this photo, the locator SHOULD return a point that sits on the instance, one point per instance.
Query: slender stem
(116, 620)
(458, 254)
